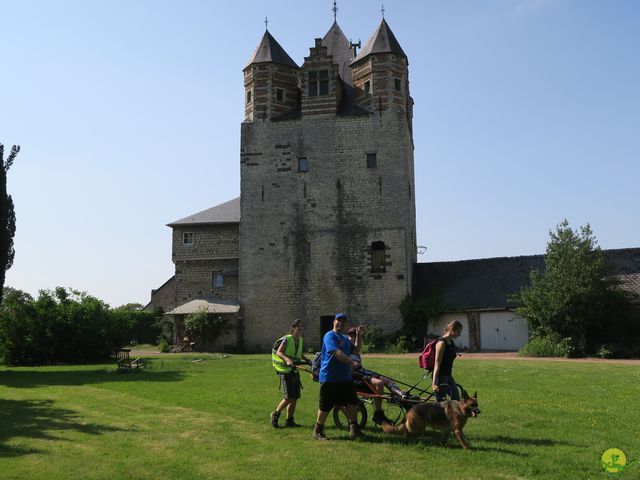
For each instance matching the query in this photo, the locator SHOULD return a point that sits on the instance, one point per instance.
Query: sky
(128, 113)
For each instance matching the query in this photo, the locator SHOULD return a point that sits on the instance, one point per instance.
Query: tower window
(248, 96)
(397, 85)
(377, 257)
(280, 95)
(318, 83)
(187, 238)
(218, 280)
(303, 165)
(367, 87)
(372, 160)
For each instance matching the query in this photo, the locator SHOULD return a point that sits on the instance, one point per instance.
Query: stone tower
(327, 187)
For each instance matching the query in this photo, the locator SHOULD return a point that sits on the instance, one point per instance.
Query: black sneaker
(289, 423)
(318, 433)
(275, 416)
(355, 433)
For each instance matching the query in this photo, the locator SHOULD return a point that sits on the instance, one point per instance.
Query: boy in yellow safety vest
(286, 352)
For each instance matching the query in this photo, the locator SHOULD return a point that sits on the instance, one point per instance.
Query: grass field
(209, 419)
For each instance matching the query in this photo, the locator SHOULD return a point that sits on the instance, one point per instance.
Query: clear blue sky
(128, 113)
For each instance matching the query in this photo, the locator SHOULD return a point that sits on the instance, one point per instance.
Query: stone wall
(214, 251)
(306, 237)
(163, 297)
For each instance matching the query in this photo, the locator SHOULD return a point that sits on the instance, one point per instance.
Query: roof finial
(266, 23)
(335, 11)
(382, 10)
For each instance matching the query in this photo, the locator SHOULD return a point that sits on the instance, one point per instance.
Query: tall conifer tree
(7, 216)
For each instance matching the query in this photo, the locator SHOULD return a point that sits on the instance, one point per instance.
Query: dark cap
(340, 316)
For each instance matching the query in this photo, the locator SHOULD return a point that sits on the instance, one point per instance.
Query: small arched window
(378, 257)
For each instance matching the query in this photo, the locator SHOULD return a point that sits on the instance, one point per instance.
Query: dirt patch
(512, 356)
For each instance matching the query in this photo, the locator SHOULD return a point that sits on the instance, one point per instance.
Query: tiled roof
(228, 212)
(269, 50)
(382, 41)
(488, 282)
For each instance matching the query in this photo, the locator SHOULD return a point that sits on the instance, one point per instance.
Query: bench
(124, 362)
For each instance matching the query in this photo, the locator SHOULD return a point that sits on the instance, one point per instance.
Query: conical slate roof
(338, 46)
(382, 41)
(269, 50)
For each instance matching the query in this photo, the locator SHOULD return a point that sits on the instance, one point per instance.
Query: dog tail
(395, 429)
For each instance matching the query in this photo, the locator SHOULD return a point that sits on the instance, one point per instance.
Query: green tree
(7, 215)
(416, 315)
(577, 296)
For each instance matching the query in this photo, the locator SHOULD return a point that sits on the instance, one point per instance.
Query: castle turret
(380, 73)
(270, 81)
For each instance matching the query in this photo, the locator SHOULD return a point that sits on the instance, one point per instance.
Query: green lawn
(209, 419)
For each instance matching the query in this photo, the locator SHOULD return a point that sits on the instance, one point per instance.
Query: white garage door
(502, 331)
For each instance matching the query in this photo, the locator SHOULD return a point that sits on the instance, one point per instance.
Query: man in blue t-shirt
(336, 385)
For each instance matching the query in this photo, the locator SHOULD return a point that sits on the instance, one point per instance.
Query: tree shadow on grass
(39, 419)
(50, 376)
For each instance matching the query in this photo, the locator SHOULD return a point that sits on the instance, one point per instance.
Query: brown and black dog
(447, 416)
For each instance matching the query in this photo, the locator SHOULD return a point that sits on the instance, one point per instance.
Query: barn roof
(487, 283)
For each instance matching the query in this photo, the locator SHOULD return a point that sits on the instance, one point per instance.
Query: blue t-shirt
(332, 369)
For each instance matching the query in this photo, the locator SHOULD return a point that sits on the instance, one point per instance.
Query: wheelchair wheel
(342, 422)
(395, 410)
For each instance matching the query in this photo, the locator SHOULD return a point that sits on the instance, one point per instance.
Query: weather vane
(382, 10)
(266, 23)
(335, 11)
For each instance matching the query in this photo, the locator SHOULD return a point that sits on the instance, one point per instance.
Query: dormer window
(318, 83)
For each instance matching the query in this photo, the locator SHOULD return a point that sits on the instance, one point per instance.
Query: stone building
(326, 217)
(327, 206)
(205, 254)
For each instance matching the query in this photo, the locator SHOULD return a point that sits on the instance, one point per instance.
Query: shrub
(398, 345)
(376, 341)
(60, 326)
(205, 328)
(372, 340)
(606, 351)
(66, 326)
(134, 327)
(549, 346)
(163, 345)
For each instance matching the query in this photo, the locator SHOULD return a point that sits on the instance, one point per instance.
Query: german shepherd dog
(447, 416)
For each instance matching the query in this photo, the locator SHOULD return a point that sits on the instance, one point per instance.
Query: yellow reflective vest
(289, 350)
